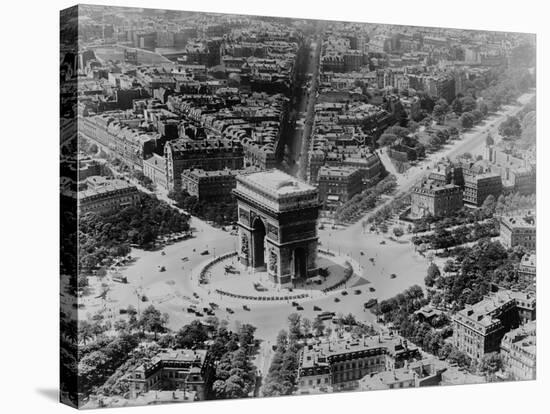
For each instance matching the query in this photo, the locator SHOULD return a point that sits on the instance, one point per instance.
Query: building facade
(436, 199)
(209, 155)
(111, 195)
(518, 350)
(341, 364)
(337, 185)
(477, 187)
(519, 231)
(277, 225)
(182, 369)
(208, 185)
(478, 329)
(527, 269)
(154, 167)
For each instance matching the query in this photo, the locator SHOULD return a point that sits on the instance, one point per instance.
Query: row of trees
(221, 212)
(399, 310)
(99, 360)
(508, 203)
(442, 136)
(282, 375)
(461, 217)
(235, 375)
(366, 200)
(230, 353)
(384, 213)
(442, 238)
(103, 236)
(474, 270)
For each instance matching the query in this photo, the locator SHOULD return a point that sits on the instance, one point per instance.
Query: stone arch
(259, 231)
(299, 263)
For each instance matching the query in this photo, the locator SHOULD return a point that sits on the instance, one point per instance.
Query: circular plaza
(225, 278)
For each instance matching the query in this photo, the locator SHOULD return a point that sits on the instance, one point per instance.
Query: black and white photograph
(245, 184)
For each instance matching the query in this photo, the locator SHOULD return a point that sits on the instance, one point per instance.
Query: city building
(181, 369)
(278, 225)
(479, 185)
(209, 185)
(341, 364)
(88, 167)
(436, 199)
(118, 135)
(519, 231)
(517, 173)
(423, 373)
(527, 269)
(447, 172)
(154, 167)
(337, 185)
(110, 195)
(518, 350)
(478, 329)
(209, 155)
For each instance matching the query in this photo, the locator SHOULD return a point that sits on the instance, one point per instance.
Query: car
(300, 308)
(372, 289)
(326, 315)
(316, 308)
(383, 242)
(344, 293)
(357, 291)
(205, 252)
(393, 276)
(120, 279)
(199, 314)
(246, 308)
(213, 305)
(229, 310)
(162, 269)
(196, 295)
(295, 304)
(370, 303)
(185, 259)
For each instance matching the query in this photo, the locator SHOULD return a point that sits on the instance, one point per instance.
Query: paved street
(472, 142)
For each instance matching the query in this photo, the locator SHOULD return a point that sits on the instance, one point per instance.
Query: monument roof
(277, 182)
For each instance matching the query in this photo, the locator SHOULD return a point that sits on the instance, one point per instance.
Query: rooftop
(520, 221)
(316, 355)
(529, 260)
(277, 182)
(105, 188)
(337, 171)
(485, 313)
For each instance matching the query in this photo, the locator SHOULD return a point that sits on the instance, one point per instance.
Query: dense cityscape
(260, 206)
